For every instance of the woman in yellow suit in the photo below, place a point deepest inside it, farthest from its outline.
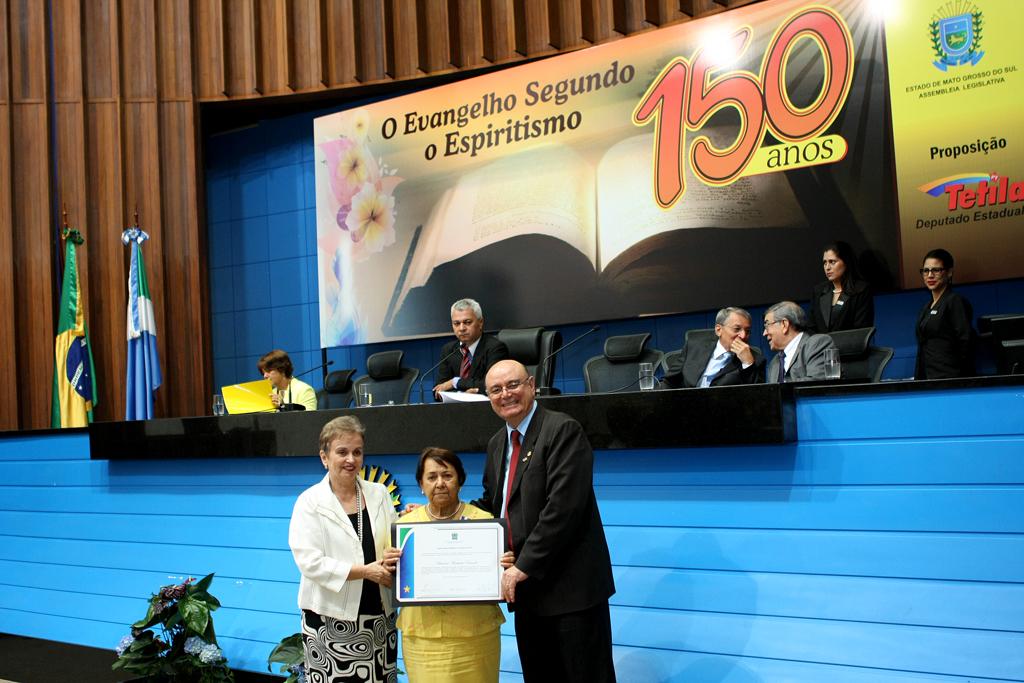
(449, 644)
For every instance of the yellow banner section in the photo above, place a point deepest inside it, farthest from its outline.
(248, 397)
(956, 78)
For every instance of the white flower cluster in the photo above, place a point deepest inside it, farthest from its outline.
(208, 653)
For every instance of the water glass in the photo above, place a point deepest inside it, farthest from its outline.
(646, 376)
(365, 395)
(832, 368)
(218, 405)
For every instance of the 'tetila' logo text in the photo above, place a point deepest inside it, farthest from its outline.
(976, 190)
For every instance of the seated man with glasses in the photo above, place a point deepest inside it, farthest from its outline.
(539, 476)
(801, 355)
(729, 360)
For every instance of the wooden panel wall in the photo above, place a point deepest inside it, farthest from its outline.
(118, 130)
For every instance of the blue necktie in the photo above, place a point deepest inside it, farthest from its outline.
(782, 367)
(714, 367)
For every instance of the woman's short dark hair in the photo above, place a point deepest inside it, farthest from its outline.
(848, 256)
(276, 360)
(442, 456)
(940, 255)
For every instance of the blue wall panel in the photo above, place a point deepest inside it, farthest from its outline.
(885, 545)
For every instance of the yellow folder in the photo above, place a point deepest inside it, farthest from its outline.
(248, 397)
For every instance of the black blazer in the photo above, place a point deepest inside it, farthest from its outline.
(556, 526)
(945, 338)
(488, 352)
(857, 309)
(688, 368)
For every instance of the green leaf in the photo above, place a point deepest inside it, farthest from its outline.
(202, 585)
(195, 614)
(289, 651)
(211, 602)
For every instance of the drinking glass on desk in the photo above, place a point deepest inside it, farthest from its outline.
(832, 368)
(218, 405)
(646, 376)
(365, 395)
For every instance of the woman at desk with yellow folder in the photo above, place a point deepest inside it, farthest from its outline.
(277, 369)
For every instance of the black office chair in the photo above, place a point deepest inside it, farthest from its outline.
(618, 368)
(387, 379)
(878, 358)
(337, 391)
(671, 358)
(855, 354)
(1012, 355)
(1005, 332)
(531, 345)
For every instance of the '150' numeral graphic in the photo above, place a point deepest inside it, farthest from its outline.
(685, 96)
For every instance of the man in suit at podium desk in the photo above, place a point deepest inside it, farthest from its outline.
(477, 352)
(720, 362)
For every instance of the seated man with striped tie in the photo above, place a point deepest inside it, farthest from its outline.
(722, 362)
(465, 361)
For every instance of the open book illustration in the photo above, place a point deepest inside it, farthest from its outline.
(570, 226)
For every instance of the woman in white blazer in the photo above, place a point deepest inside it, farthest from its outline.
(339, 536)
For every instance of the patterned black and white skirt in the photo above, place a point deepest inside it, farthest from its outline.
(338, 651)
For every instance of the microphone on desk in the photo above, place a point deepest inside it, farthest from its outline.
(315, 367)
(563, 347)
(458, 347)
(292, 407)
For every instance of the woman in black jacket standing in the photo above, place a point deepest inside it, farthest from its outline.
(842, 302)
(944, 333)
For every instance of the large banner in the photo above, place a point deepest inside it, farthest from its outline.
(688, 168)
(957, 75)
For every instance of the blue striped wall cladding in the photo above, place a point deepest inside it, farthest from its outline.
(887, 544)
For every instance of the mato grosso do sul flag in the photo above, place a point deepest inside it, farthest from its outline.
(74, 385)
(143, 363)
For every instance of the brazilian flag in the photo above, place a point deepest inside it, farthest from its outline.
(74, 385)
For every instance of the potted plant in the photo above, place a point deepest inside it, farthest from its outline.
(175, 641)
(290, 656)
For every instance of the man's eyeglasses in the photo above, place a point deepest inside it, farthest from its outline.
(511, 387)
(932, 271)
(769, 323)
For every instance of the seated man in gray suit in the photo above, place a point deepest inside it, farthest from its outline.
(801, 354)
(711, 363)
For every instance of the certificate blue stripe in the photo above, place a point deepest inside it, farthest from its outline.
(408, 574)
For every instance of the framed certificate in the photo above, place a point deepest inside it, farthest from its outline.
(455, 562)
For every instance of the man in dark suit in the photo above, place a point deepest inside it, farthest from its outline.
(801, 354)
(466, 371)
(711, 363)
(562, 578)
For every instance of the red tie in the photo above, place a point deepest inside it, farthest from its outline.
(464, 368)
(511, 478)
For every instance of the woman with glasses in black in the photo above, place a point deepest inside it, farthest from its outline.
(944, 333)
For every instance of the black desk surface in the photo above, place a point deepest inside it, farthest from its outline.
(685, 417)
(757, 414)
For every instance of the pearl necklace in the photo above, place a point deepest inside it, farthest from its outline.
(458, 508)
(358, 511)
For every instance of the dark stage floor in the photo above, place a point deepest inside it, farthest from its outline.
(30, 660)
